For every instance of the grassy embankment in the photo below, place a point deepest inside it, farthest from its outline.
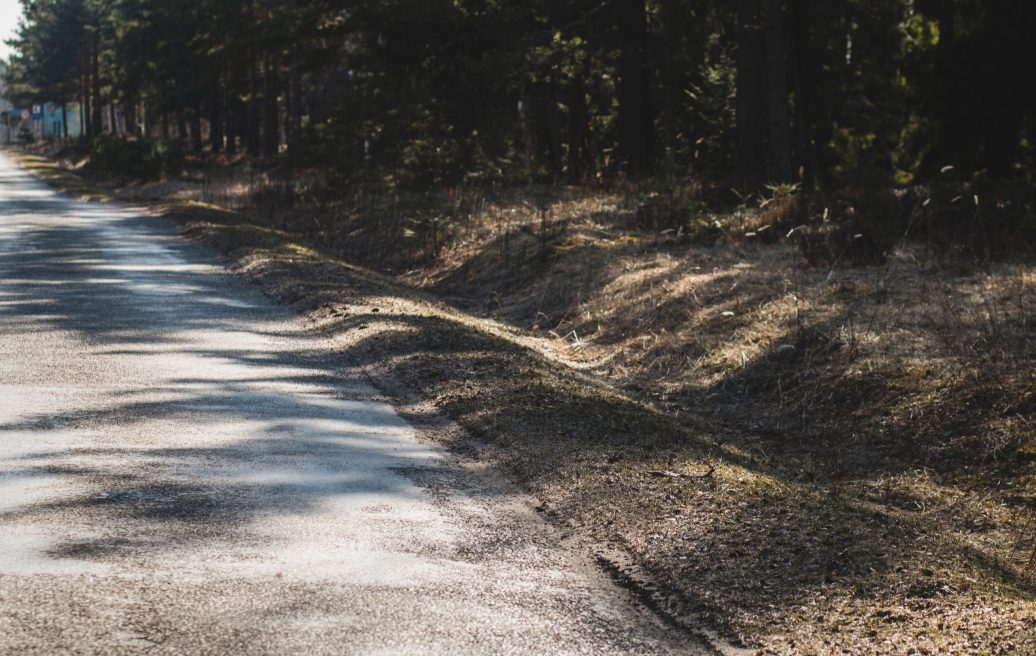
(809, 460)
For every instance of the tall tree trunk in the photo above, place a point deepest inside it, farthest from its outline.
(252, 131)
(146, 116)
(216, 118)
(196, 137)
(777, 91)
(578, 129)
(635, 120)
(130, 111)
(552, 127)
(231, 122)
(181, 125)
(805, 63)
(295, 108)
(231, 113)
(528, 113)
(85, 122)
(271, 111)
(669, 80)
(750, 157)
(95, 86)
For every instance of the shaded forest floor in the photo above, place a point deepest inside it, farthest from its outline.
(806, 459)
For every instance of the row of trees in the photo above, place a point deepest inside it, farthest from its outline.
(746, 92)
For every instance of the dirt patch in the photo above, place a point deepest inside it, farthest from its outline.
(803, 460)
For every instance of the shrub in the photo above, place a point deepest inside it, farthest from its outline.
(679, 210)
(137, 158)
(982, 218)
(171, 157)
(853, 228)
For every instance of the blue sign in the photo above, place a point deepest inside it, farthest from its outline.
(37, 112)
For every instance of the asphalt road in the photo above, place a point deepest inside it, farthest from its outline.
(185, 470)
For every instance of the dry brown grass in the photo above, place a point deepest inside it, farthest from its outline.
(908, 387)
(778, 558)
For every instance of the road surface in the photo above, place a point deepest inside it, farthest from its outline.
(184, 470)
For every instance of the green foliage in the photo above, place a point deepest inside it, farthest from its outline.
(403, 94)
(171, 156)
(782, 191)
(707, 108)
(124, 157)
(432, 228)
(680, 211)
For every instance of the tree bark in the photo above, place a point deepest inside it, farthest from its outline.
(196, 140)
(216, 117)
(669, 81)
(252, 130)
(271, 112)
(232, 111)
(130, 111)
(552, 128)
(181, 125)
(578, 129)
(252, 118)
(146, 116)
(750, 157)
(804, 65)
(635, 120)
(95, 86)
(777, 92)
(295, 108)
(85, 121)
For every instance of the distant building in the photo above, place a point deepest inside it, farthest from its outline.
(44, 120)
(52, 122)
